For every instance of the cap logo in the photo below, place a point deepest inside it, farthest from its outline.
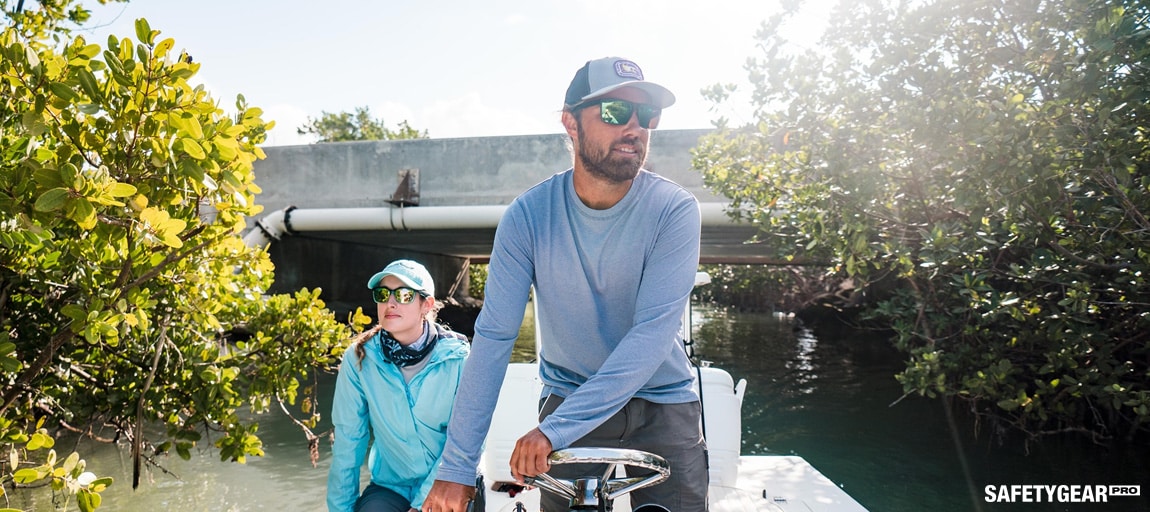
(628, 69)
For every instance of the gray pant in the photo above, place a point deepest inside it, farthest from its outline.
(672, 431)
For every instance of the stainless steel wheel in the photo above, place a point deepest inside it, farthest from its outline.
(593, 490)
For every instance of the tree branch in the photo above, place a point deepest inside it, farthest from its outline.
(46, 355)
(138, 439)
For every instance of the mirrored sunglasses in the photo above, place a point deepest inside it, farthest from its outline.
(403, 294)
(618, 112)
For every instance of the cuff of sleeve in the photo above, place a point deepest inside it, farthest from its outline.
(459, 477)
(558, 442)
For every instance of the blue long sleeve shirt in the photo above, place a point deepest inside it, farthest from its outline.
(610, 287)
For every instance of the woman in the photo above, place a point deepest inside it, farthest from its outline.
(394, 392)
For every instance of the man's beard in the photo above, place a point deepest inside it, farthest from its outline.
(600, 163)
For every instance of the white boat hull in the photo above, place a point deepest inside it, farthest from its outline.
(739, 483)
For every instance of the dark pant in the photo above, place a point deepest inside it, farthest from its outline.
(672, 431)
(381, 499)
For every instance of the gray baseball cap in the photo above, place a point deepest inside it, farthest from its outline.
(601, 76)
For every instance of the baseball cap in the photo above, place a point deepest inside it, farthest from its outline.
(411, 273)
(601, 76)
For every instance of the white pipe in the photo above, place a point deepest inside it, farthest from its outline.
(267, 229)
(290, 220)
(395, 219)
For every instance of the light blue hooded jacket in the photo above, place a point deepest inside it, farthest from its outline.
(404, 423)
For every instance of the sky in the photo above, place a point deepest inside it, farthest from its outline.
(454, 68)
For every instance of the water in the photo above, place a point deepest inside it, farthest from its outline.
(821, 393)
(282, 480)
(825, 394)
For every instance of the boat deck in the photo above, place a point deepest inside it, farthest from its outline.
(775, 483)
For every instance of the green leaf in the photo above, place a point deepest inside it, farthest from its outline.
(89, 84)
(62, 91)
(163, 226)
(74, 312)
(85, 213)
(51, 200)
(144, 31)
(41, 440)
(70, 175)
(1008, 405)
(100, 484)
(187, 123)
(29, 475)
(48, 178)
(88, 500)
(71, 462)
(121, 190)
(106, 481)
(163, 47)
(30, 55)
(192, 148)
(90, 51)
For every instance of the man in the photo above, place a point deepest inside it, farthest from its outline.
(612, 251)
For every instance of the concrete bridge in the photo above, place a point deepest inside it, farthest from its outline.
(336, 213)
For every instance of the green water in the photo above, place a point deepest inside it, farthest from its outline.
(823, 393)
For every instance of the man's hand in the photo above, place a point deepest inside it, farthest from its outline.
(530, 456)
(447, 496)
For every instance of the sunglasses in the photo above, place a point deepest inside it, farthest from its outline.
(618, 112)
(403, 294)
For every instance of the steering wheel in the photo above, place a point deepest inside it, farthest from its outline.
(590, 490)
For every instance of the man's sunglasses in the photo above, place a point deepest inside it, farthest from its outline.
(403, 294)
(618, 112)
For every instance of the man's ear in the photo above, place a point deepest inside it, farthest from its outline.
(570, 124)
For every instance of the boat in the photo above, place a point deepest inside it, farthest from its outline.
(738, 483)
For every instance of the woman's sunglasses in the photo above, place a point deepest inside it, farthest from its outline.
(618, 112)
(403, 294)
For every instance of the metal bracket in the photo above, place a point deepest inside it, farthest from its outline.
(407, 193)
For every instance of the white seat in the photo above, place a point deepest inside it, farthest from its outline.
(516, 413)
(722, 413)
